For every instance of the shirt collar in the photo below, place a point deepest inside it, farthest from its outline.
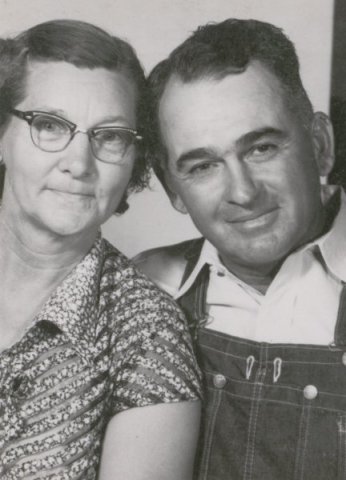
(332, 246)
(73, 307)
(208, 256)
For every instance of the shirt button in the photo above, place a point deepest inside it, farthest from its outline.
(310, 392)
(219, 380)
(344, 358)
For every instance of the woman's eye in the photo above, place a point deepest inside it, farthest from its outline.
(109, 136)
(49, 125)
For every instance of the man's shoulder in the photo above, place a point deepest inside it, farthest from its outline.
(166, 265)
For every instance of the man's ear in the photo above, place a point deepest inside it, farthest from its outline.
(167, 184)
(323, 143)
(177, 203)
(163, 175)
(175, 199)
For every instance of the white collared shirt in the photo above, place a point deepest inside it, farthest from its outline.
(301, 303)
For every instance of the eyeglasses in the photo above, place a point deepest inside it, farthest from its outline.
(52, 133)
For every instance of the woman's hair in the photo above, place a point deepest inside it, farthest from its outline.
(81, 44)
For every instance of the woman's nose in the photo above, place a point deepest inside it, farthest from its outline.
(77, 158)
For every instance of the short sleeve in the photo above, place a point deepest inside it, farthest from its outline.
(153, 359)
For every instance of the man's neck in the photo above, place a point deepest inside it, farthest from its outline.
(258, 278)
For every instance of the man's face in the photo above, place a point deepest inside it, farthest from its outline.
(242, 165)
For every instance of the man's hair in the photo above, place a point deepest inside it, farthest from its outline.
(214, 51)
(79, 43)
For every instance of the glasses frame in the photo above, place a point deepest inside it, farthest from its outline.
(30, 115)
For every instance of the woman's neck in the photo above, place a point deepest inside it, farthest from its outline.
(32, 265)
(41, 250)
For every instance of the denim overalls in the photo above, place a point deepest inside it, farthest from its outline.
(272, 411)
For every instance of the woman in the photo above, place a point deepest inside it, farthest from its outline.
(84, 338)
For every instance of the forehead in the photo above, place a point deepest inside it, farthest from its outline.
(63, 86)
(204, 111)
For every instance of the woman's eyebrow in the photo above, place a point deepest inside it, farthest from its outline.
(114, 119)
(63, 114)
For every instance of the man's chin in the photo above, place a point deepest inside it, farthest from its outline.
(266, 255)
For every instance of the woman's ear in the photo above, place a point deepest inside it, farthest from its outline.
(323, 143)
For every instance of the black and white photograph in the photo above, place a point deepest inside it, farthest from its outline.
(172, 240)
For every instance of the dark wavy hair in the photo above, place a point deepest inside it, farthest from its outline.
(83, 45)
(215, 51)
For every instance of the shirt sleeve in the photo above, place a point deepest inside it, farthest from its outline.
(153, 360)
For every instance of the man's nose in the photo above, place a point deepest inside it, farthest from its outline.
(241, 186)
(78, 158)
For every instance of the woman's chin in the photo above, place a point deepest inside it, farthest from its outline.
(69, 224)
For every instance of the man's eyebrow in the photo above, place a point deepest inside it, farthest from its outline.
(255, 135)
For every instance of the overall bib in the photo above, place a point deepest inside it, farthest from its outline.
(271, 411)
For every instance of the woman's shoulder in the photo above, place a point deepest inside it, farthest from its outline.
(166, 265)
(152, 359)
(128, 289)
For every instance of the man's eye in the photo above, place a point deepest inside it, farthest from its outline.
(263, 149)
(201, 168)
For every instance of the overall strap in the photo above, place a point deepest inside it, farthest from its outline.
(340, 327)
(191, 254)
(193, 302)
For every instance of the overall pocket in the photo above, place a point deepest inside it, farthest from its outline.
(224, 427)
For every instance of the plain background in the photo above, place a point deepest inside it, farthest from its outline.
(154, 28)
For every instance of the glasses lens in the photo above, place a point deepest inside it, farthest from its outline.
(50, 133)
(111, 144)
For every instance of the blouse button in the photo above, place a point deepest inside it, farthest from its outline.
(310, 392)
(219, 380)
(344, 358)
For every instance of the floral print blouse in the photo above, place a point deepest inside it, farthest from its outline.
(105, 341)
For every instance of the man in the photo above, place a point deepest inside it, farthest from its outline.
(236, 144)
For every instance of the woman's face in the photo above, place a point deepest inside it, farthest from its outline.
(69, 192)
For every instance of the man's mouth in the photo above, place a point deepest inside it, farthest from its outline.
(254, 219)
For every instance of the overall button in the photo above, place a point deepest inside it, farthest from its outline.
(310, 392)
(344, 358)
(219, 380)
